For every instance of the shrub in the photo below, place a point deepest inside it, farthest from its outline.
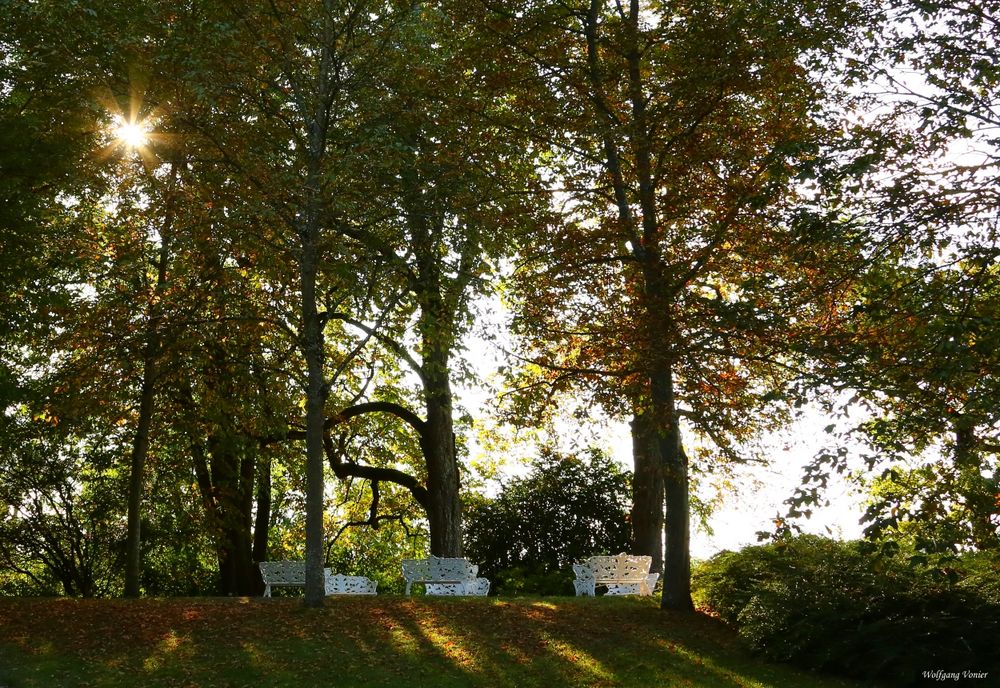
(836, 606)
(565, 509)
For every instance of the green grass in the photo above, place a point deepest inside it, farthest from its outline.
(381, 641)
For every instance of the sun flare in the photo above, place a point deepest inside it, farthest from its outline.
(134, 134)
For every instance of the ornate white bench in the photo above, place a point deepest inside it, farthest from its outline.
(293, 574)
(339, 584)
(623, 574)
(283, 574)
(445, 576)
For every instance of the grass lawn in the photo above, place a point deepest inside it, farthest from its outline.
(380, 641)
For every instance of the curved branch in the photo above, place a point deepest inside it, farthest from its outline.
(351, 469)
(395, 409)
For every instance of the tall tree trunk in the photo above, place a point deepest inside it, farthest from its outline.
(677, 560)
(262, 519)
(647, 492)
(312, 343)
(233, 486)
(444, 512)
(436, 321)
(659, 294)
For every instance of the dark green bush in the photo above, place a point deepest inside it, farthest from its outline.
(836, 606)
(567, 508)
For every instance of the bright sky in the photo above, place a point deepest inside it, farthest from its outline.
(760, 490)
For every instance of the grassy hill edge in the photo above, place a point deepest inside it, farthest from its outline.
(381, 641)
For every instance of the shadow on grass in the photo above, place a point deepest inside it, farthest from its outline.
(382, 641)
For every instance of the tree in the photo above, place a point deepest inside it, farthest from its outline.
(683, 131)
(425, 219)
(919, 353)
(35, 63)
(455, 216)
(135, 288)
(315, 72)
(59, 519)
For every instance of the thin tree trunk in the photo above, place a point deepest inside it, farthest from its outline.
(262, 520)
(140, 443)
(312, 349)
(137, 465)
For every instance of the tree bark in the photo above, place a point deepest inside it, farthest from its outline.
(312, 348)
(262, 520)
(226, 486)
(647, 492)
(234, 490)
(444, 507)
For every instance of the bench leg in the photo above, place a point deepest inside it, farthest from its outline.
(585, 587)
(267, 590)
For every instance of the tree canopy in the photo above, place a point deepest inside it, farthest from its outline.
(239, 331)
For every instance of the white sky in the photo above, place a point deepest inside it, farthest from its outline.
(760, 491)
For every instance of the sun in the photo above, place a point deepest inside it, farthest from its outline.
(131, 131)
(131, 134)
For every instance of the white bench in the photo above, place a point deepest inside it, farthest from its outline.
(278, 574)
(283, 574)
(339, 584)
(445, 576)
(623, 574)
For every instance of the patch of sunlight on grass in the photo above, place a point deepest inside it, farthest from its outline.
(167, 648)
(401, 638)
(455, 650)
(257, 657)
(544, 605)
(583, 661)
(449, 644)
(515, 653)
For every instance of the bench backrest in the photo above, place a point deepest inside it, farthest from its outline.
(287, 572)
(620, 567)
(439, 569)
